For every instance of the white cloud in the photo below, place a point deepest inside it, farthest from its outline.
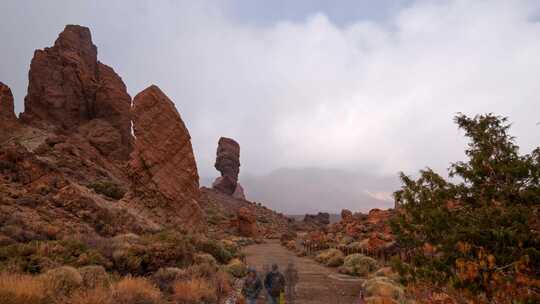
(377, 96)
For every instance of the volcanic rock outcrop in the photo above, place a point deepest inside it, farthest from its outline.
(66, 166)
(8, 120)
(228, 164)
(247, 223)
(163, 166)
(69, 88)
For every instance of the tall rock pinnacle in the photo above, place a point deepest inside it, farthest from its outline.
(70, 89)
(228, 164)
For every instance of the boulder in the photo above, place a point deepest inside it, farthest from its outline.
(68, 87)
(162, 164)
(228, 164)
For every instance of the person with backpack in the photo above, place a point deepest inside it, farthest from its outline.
(252, 287)
(274, 284)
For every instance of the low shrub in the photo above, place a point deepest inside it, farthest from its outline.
(194, 291)
(108, 188)
(383, 287)
(236, 268)
(358, 265)
(205, 258)
(165, 277)
(330, 257)
(62, 281)
(132, 290)
(94, 277)
(223, 253)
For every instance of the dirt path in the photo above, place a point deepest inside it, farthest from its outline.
(317, 285)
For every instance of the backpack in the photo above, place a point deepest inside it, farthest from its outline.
(277, 283)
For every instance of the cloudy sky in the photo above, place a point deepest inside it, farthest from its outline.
(310, 88)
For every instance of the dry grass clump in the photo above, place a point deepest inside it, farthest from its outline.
(98, 295)
(131, 290)
(21, 289)
(62, 281)
(193, 291)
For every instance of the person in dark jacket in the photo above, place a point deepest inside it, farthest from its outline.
(252, 287)
(274, 284)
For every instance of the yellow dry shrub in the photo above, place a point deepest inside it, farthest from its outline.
(195, 290)
(132, 290)
(21, 289)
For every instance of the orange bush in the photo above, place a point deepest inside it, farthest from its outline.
(21, 289)
(136, 290)
(193, 291)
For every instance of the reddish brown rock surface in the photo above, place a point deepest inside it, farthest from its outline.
(68, 88)
(163, 166)
(247, 223)
(8, 120)
(228, 164)
(222, 212)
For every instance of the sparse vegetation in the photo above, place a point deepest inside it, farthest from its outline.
(108, 188)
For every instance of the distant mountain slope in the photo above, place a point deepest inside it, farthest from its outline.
(310, 190)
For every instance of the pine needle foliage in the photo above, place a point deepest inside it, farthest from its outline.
(478, 232)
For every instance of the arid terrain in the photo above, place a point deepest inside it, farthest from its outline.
(100, 203)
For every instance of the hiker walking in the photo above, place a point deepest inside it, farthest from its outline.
(291, 279)
(252, 287)
(274, 284)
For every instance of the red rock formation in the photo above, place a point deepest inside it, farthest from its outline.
(228, 163)
(8, 120)
(163, 165)
(69, 88)
(247, 223)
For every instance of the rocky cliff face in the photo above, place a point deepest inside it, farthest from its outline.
(68, 88)
(228, 164)
(163, 165)
(8, 120)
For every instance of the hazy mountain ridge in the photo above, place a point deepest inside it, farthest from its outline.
(356, 191)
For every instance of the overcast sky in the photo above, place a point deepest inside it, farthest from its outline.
(342, 85)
